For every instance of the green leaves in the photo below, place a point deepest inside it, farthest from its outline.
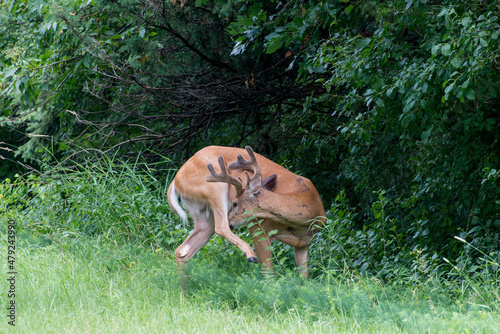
(274, 42)
(349, 9)
(446, 49)
(363, 43)
(10, 72)
(396, 97)
(466, 21)
(265, 26)
(470, 94)
(415, 95)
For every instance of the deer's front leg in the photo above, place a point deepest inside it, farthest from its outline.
(222, 229)
(262, 244)
(301, 259)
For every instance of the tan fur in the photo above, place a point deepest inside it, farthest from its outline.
(293, 208)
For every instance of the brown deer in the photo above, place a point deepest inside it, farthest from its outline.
(286, 207)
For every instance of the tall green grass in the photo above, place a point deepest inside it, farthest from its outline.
(95, 254)
(85, 285)
(113, 200)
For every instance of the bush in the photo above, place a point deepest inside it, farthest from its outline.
(113, 200)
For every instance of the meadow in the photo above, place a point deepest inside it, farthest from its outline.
(94, 253)
(391, 109)
(90, 286)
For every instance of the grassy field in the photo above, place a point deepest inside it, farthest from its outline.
(83, 285)
(94, 254)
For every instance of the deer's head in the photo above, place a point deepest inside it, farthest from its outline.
(251, 198)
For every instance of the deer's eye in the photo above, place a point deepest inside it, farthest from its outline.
(235, 205)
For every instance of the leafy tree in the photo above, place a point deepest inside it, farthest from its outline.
(392, 104)
(133, 75)
(414, 111)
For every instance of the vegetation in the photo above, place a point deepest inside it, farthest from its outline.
(82, 286)
(111, 267)
(391, 108)
(80, 292)
(95, 250)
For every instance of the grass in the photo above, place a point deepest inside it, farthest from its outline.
(85, 285)
(94, 254)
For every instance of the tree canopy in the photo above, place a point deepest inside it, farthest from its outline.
(392, 108)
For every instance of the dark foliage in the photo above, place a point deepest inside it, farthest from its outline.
(392, 108)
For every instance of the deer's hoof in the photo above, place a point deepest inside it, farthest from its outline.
(252, 259)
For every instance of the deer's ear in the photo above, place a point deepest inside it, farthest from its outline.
(270, 182)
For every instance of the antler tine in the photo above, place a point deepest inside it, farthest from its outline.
(223, 176)
(251, 164)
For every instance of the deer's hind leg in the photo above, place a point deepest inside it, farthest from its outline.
(199, 236)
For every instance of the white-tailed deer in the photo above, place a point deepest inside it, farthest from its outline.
(287, 206)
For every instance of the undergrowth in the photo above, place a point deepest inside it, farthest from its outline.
(115, 217)
(119, 202)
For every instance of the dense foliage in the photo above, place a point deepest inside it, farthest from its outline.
(392, 108)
